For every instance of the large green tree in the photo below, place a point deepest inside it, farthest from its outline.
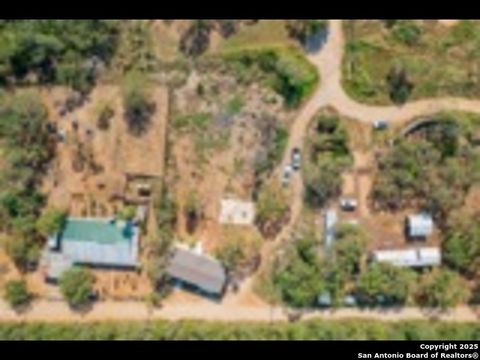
(16, 293)
(51, 221)
(462, 244)
(76, 285)
(442, 288)
(395, 284)
(299, 279)
(59, 51)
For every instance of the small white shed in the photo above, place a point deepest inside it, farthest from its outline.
(419, 225)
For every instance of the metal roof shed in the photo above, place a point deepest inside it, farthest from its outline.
(200, 271)
(97, 242)
(420, 257)
(420, 225)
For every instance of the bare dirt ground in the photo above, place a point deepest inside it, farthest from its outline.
(449, 22)
(214, 169)
(115, 151)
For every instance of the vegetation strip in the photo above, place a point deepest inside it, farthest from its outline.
(199, 330)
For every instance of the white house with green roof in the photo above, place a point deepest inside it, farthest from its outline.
(101, 242)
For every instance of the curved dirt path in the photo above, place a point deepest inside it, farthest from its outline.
(329, 64)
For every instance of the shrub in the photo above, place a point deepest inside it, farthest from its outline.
(196, 39)
(286, 71)
(441, 288)
(104, 116)
(16, 293)
(51, 221)
(137, 102)
(272, 209)
(76, 285)
(407, 32)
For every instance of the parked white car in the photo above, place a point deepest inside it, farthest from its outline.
(380, 124)
(287, 174)
(348, 204)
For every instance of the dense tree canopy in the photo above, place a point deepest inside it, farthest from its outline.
(328, 155)
(432, 171)
(441, 288)
(27, 147)
(462, 244)
(299, 279)
(58, 51)
(394, 284)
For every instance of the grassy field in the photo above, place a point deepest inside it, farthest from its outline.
(439, 60)
(265, 33)
(197, 330)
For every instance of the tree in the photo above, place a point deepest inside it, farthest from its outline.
(127, 213)
(76, 285)
(105, 114)
(349, 248)
(24, 251)
(137, 103)
(441, 288)
(239, 250)
(329, 156)
(51, 221)
(406, 31)
(59, 51)
(196, 39)
(301, 30)
(418, 172)
(462, 243)
(393, 283)
(16, 293)
(399, 86)
(323, 182)
(298, 280)
(227, 28)
(272, 209)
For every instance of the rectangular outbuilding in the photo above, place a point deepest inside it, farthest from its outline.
(419, 257)
(197, 270)
(419, 225)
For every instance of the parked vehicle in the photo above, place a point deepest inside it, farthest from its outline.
(380, 125)
(287, 174)
(296, 159)
(348, 204)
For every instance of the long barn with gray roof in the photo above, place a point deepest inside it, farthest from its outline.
(200, 271)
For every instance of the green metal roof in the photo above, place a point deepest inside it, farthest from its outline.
(97, 230)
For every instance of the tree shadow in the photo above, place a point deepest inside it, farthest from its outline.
(139, 120)
(83, 309)
(316, 41)
(23, 309)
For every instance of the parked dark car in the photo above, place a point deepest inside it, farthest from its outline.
(380, 125)
(296, 159)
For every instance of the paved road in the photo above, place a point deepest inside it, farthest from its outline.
(330, 93)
